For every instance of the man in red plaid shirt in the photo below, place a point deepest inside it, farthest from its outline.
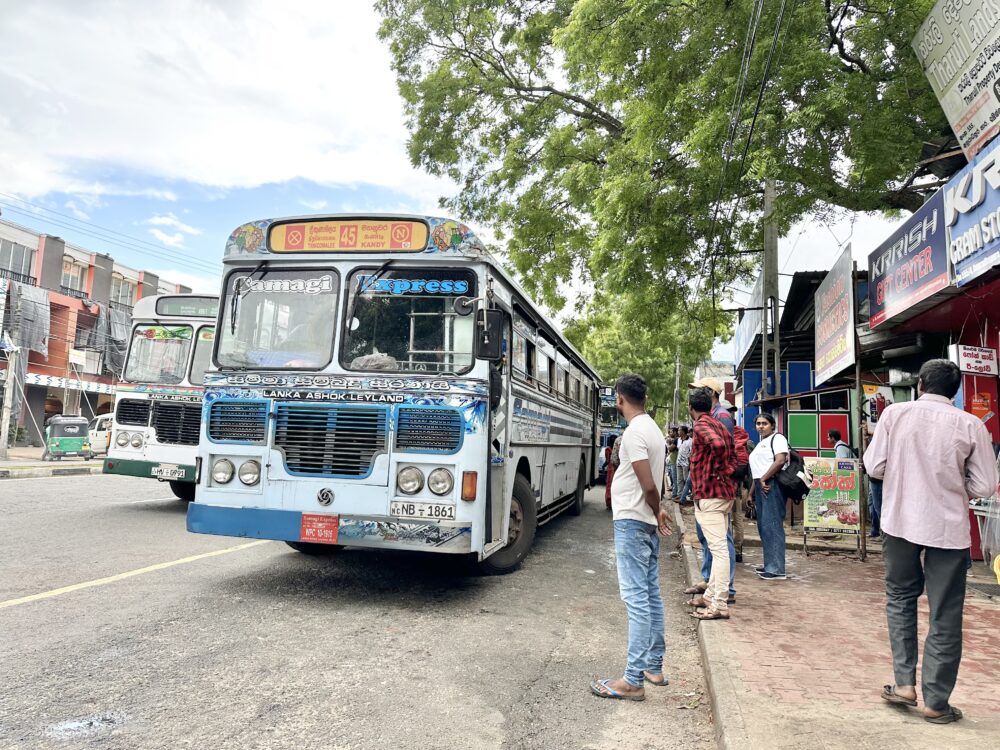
(713, 461)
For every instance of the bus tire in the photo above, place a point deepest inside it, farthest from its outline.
(311, 548)
(521, 533)
(183, 490)
(581, 487)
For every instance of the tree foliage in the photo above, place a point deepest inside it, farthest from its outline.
(597, 135)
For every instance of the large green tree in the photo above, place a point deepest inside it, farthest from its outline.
(606, 138)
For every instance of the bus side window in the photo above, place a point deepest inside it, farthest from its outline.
(545, 371)
(530, 361)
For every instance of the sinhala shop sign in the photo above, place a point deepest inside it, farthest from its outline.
(911, 265)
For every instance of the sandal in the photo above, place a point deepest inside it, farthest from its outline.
(601, 689)
(952, 714)
(698, 588)
(698, 601)
(889, 694)
(663, 682)
(709, 614)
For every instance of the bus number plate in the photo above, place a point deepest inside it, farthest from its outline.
(165, 471)
(435, 511)
(319, 528)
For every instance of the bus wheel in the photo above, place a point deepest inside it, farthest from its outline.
(521, 533)
(581, 486)
(311, 548)
(183, 490)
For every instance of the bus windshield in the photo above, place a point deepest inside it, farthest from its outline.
(159, 354)
(202, 359)
(278, 318)
(403, 320)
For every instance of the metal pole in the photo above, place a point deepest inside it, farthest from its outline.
(8, 398)
(674, 418)
(862, 489)
(770, 357)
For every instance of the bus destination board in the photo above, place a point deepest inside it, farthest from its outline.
(349, 236)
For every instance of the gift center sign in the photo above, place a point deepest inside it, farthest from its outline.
(911, 265)
(834, 303)
(958, 46)
(974, 359)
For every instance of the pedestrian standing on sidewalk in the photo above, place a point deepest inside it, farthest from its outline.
(613, 461)
(874, 492)
(672, 460)
(741, 439)
(683, 459)
(933, 457)
(766, 460)
(638, 518)
(713, 461)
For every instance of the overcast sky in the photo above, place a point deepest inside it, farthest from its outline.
(150, 130)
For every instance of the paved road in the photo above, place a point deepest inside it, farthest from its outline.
(261, 647)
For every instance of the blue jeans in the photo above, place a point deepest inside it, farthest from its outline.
(687, 489)
(672, 473)
(771, 526)
(637, 549)
(706, 557)
(875, 504)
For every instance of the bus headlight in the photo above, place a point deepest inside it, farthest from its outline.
(249, 472)
(122, 440)
(222, 471)
(137, 440)
(440, 481)
(410, 480)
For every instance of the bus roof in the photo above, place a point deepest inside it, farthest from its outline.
(176, 305)
(407, 236)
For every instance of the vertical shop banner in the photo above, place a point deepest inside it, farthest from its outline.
(834, 304)
(972, 216)
(833, 502)
(911, 265)
(958, 46)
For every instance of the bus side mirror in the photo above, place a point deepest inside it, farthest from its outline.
(489, 335)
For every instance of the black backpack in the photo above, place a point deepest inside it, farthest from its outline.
(794, 478)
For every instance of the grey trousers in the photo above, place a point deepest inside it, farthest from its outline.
(942, 572)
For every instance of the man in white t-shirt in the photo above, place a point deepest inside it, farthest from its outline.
(638, 517)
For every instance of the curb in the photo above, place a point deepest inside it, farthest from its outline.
(727, 715)
(34, 472)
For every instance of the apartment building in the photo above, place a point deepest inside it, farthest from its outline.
(89, 299)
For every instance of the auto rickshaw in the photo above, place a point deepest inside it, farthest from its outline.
(67, 436)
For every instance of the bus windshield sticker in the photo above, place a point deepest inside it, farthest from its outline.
(163, 332)
(350, 236)
(284, 286)
(369, 283)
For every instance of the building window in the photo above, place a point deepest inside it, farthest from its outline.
(16, 261)
(74, 275)
(122, 291)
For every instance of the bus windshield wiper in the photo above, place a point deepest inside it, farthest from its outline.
(369, 282)
(234, 303)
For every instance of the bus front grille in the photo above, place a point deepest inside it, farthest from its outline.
(133, 411)
(177, 422)
(330, 440)
(430, 430)
(238, 421)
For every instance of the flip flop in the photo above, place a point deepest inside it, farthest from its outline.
(663, 683)
(709, 614)
(698, 601)
(601, 689)
(890, 695)
(952, 714)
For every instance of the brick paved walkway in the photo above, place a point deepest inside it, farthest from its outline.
(807, 658)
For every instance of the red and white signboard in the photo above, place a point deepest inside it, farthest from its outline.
(320, 529)
(974, 359)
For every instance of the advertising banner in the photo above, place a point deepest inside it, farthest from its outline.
(835, 319)
(972, 215)
(833, 502)
(911, 265)
(749, 327)
(974, 360)
(958, 46)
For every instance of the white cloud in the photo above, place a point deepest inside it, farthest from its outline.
(170, 240)
(198, 283)
(314, 205)
(77, 211)
(169, 220)
(235, 94)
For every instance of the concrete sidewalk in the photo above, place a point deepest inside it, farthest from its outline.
(801, 662)
(26, 463)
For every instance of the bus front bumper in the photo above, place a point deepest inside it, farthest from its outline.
(149, 469)
(327, 528)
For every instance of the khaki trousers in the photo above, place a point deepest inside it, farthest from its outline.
(712, 514)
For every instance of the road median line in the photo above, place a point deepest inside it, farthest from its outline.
(129, 574)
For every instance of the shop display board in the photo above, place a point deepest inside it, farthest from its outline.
(833, 505)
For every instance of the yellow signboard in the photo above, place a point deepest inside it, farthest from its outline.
(349, 236)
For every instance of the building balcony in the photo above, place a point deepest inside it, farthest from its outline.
(122, 306)
(71, 292)
(21, 278)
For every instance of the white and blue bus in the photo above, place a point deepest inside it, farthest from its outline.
(380, 381)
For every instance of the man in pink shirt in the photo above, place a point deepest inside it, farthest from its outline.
(933, 457)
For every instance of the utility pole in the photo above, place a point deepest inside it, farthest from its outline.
(677, 384)
(10, 383)
(770, 360)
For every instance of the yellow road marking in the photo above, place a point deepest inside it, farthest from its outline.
(129, 574)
